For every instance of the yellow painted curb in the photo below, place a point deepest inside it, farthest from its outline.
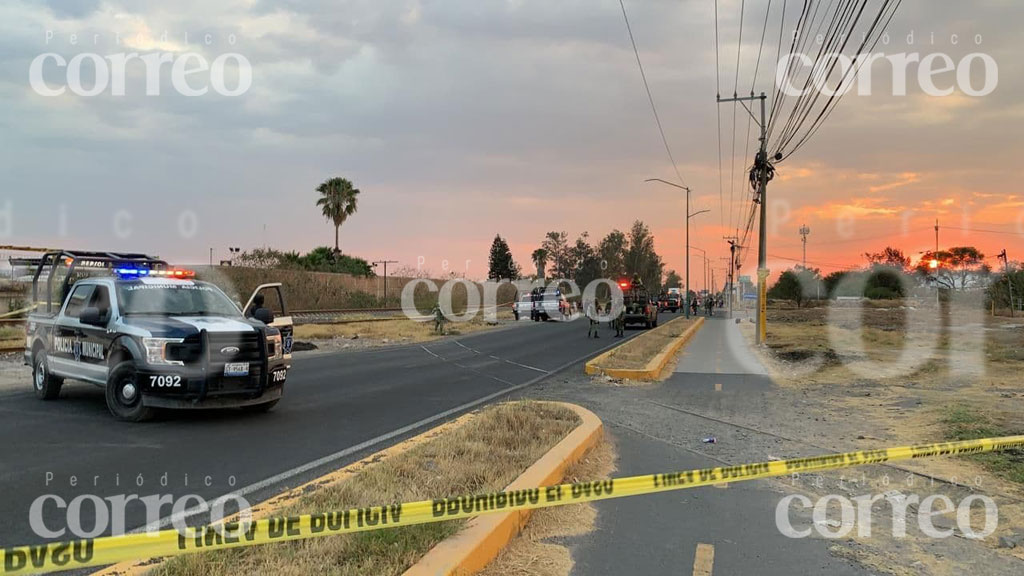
(469, 551)
(273, 505)
(654, 367)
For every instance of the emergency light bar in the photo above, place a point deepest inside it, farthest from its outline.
(138, 272)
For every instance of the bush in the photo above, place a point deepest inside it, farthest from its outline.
(882, 293)
(884, 283)
(321, 259)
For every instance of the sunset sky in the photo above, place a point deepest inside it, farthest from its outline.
(461, 119)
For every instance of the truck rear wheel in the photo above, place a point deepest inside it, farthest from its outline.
(124, 395)
(46, 385)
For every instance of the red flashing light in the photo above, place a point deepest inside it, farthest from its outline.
(624, 284)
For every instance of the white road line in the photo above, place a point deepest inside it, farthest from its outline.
(542, 371)
(427, 350)
(466, 347)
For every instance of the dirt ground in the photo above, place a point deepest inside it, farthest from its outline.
(897, 376)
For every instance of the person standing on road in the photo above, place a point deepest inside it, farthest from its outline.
(709, 305)
(592, 315)
(620, 321)
(438, 319)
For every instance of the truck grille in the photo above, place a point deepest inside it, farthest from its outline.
(190, 351)
(221, 344)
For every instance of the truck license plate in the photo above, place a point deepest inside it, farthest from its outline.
(236, 369)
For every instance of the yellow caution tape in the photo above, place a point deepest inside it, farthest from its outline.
(101, 551)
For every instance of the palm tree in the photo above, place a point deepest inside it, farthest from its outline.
(540, 259)
(337, 202)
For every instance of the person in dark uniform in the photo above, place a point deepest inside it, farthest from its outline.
(258, 311)
(620, 321)
(592, 315)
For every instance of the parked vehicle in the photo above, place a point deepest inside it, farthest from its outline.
(152, 336)
(640, 308)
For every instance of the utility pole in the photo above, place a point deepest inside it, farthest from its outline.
(211, 257)
(732, 272)
(936, 235)
(761, 166)
(804, 231)
(385, 263)
(1006, 272)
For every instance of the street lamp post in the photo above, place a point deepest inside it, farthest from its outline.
(688, 216)
(705, 257)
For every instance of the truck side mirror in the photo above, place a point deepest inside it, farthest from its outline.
(93, 317)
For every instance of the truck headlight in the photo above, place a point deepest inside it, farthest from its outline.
(274, 348)
(156, 351)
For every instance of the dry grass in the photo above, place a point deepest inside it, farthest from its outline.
(532, 553)
(966, 370)
(393, 330)
(638, 351)
(484, 455)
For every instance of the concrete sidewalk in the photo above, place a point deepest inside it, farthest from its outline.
(719, 348)
(703, 531)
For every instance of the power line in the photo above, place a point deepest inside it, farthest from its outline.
(982, 230)
(650, 97)
(826, 264)
(718, 110)
(735, 89)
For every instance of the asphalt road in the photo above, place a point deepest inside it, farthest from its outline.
(337, 408)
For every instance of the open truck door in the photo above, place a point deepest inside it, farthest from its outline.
(273, 301)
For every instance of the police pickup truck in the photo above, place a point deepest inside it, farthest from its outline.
(152, 336)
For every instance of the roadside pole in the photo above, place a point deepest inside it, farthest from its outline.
(1009, 282)
(688, 216)
(385, 262)
(761, 165)
(732, 274)
(687, 252)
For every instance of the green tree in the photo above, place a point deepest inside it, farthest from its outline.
(586, 260)
(557, 246)
(612, 251)
(641, 259)
(891, 257)
(672, 280)
(787, 287)
(884, 283)
(540, 260)
(500, 263)
(338, 201)
(951, 268)
(1007, 286)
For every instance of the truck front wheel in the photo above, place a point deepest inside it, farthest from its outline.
(124, 395)
(46, 385)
